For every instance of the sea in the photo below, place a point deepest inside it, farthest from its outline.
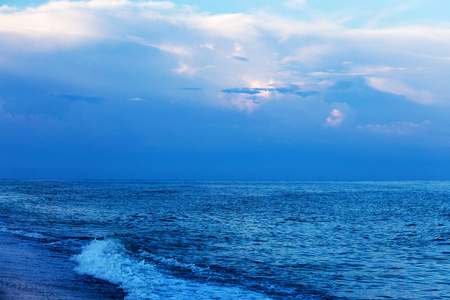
(136, 240)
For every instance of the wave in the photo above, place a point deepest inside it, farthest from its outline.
(24, 233)
(194, 269)
(109, 260)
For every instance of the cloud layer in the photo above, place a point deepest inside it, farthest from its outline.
(164, 81)
(241, 51)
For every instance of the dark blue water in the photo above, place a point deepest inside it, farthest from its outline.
(225, 240)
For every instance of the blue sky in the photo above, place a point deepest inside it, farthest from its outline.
(293, 90)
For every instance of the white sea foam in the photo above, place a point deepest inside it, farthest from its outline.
(24, 233)
(173, 262)
(109, 260)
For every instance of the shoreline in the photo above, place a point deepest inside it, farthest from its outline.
(28, 271)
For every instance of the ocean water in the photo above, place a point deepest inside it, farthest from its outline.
(224, 240)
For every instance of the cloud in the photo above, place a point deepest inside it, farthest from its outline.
(295, 4)
(240, 101)
(256, 95)
(342, 85)
(7, 8)
(400, 89)
(287, 89)
(58, 24)
(185, 69)
(207, 46)
(359, 70)
(392, 11)
(190, 88)
(62, 24)
(250, 91)
(335, 119)
(178, 50)
(396, 128)
(299, 57)
(77, 97)
(205, 73)
(239, 58)
(32, 121)
(308, 55)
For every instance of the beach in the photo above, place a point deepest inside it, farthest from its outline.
(31, 272)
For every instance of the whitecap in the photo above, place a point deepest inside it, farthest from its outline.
(109, 260)
(24, 233)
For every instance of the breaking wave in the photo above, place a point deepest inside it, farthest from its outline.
(109, 260)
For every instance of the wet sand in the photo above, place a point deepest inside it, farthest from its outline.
(27, 272)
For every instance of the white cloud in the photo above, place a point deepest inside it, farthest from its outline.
(207, 46)
(136, 99)
(396, 128)
(7, 8)
(400, 89)
(64, 4)
(179, 50)
(244, 103)
(335, 119)
(240, 27)
(185, 69)
(173, 49)
(359, 70)
(308, 55)
(239, 101)
(295, 4)
(61, 24)
(265, 47)
(392, 11)
(162, 5)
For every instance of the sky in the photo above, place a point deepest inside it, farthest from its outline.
(225, 90)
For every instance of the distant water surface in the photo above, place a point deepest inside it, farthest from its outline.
(226, 240)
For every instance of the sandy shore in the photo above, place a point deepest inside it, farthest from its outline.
(31, 272)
